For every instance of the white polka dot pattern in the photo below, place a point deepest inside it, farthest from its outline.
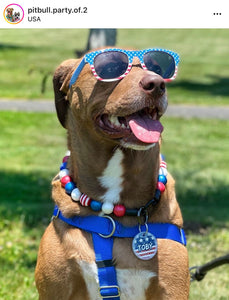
(131, 54)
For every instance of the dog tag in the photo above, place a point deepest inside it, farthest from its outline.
(144, 245)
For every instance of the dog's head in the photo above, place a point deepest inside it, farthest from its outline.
(124, 112)
(10, 11)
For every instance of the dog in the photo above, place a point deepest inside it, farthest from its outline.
(115, 201)
(16, 17)
(9, 14)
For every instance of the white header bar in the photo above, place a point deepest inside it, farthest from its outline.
(114, 14)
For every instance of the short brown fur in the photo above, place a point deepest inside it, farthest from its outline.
(58, 272)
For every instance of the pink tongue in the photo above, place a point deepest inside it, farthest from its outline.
(145, 129)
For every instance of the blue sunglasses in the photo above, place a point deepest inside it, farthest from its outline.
(114, 64)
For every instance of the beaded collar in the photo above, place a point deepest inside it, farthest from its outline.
(119, 210)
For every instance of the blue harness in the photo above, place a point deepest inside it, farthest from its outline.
(103, 229)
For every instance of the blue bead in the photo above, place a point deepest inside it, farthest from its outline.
(96, 205)
(69, 187)
(63, 166)
(162, 157)
(162, 178)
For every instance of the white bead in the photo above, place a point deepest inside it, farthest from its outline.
(107, 208)
(68, 153)
(75, 194)
(163, 171)
(63, 173)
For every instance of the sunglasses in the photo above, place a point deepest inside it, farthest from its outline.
(114, 64)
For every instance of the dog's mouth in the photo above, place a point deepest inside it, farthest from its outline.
(140, 127)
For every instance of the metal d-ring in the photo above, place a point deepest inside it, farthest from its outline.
(113, 230)
(140, 229)
(142, 216)
(143, 219)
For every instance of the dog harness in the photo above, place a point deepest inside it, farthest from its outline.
(104, 229)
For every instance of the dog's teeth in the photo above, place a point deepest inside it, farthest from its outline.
(154, 117)
(123, 126)
(114, 121)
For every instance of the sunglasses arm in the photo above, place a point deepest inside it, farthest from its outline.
(77, 72)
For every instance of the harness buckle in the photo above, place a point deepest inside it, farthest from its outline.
(104, 296)
(113, 229)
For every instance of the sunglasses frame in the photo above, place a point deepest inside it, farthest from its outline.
(131, 54)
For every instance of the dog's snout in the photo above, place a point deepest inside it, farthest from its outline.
(152, 84)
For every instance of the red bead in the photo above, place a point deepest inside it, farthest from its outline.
(64, 180)
(161, 186)
(65, 159)
(119, 210)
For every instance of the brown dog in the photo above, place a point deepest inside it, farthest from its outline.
(112, 163)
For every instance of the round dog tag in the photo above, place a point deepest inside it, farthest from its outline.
(144, 245)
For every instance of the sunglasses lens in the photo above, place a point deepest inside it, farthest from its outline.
(111, 64)
(161, 63)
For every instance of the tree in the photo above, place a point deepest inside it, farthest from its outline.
(99, 38)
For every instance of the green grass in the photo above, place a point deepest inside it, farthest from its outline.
(197, 152)
(197, 155)
(27, 55)
(29, 159)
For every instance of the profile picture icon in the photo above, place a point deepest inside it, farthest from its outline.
(13, 13)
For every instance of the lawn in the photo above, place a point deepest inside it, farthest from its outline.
(197, 155)
(32, 146)
(28, 56)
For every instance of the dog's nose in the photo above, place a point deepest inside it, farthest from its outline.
(152, 84)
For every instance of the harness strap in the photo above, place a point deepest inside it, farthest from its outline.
(106, 271)
(107, 227)
(103, 229)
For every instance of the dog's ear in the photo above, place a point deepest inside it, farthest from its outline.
(61, 81)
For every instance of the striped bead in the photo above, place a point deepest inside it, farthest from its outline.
(163, 171)
(119, 210)
(85, 200)
(163, 164)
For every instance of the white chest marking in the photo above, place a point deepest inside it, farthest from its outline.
(111, 178)
(132, 283)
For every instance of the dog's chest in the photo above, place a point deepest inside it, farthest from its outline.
(132, 283)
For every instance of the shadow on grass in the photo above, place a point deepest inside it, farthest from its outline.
(24, 260)
(26, 197)
(203, 204)
(13, 47)
(219, 86)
